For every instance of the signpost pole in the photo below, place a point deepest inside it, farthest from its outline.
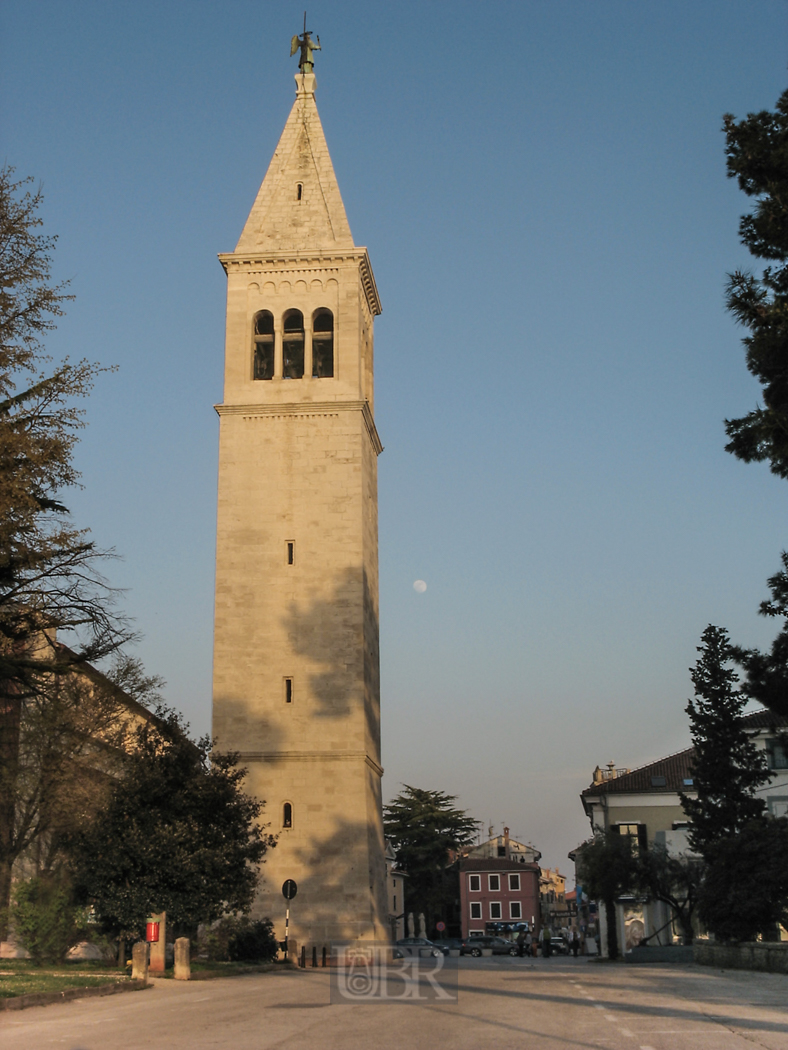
(289, 890)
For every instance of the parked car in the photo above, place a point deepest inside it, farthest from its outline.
(500, 946)
(446, 944)
(558, 946)
(415, 946)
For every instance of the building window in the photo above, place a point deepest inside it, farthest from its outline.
(502, 851)
(514, 881)
(288, 690)
(476, 910)
(494, 882)
(293, 345)
(475, 884)
(299, 191)
(635, 831)
(778, 807)
(287, 815)
(495, 909)
(395, 902)
(776, 755)
(263, 345)
(290, 552)
(515, 910)
(323, 345)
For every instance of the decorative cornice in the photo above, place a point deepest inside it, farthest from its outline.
(327, 756)
(308, 408)
(236, 261)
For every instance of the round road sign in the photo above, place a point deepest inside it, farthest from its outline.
(440, 926)
(289, 889)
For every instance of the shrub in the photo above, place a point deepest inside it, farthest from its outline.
(253, 940)
(45, 919)
(240, 940)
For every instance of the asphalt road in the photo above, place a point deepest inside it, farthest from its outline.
(502, 1003)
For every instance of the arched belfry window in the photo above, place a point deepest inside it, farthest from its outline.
(287, 815)
(263, 345)
(293, 345)
(323, 344)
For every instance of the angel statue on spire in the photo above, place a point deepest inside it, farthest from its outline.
(304, 42)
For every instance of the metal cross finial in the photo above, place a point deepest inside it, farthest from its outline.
(304, 42)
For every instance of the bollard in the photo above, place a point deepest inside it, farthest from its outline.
(314, 956)
(183, 966)
(139, 961)
(303, 957)
(324, 956)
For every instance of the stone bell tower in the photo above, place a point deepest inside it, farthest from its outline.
(296, 672)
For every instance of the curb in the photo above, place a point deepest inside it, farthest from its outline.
(20, 1002)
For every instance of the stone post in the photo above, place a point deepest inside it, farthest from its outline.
(139, 961)
(183, 968)
(158, 949)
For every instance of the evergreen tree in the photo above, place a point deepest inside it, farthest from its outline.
(727, 767)
(767, 672)
(425, 829)
(757, 156)
(51, 586)
(176, 833)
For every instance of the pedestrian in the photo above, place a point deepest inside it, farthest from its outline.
(546, 946)
(520, 943)
(574, 941)
(530, 947)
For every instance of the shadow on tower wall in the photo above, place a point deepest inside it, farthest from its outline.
(342, 646)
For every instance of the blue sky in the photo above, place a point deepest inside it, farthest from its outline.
(542, 190)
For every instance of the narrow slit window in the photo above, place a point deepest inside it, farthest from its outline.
(290, 550)
(287, 815)
(323, 345)
(288, 690)
(299, 190)
(293, 345)
(264, 345)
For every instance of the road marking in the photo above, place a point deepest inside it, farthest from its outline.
(627, 1033)
(598, 1006)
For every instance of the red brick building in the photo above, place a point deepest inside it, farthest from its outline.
(496, 895)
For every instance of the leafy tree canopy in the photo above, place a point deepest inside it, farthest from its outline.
(176, 834)
(727, 767)
(757, 156)
(606, 869)
(745, 889)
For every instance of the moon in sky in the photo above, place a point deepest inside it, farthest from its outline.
(420, 586)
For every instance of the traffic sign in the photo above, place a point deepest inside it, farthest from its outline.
(289, 889)
(440, 926)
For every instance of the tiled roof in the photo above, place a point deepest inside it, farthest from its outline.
(674, 769)
(764, 719)
(495, 864)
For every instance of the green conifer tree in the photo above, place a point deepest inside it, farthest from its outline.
(727, 767)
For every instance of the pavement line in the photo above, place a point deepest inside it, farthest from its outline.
(627, 1033)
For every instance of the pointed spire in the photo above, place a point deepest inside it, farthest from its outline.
(299, 206)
